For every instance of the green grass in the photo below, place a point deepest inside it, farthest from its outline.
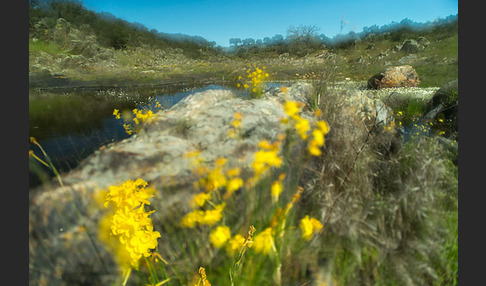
(48, 47)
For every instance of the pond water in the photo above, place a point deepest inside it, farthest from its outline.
(71, 124)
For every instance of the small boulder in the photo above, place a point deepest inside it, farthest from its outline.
(443, 109)
(423, 42)
(410, 46)
(398, 76)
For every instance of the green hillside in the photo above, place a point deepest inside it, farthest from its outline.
(68, 43)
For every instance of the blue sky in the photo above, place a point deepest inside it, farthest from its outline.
(221, 20)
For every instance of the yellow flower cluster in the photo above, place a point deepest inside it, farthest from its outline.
(257, 77)
(217, 178)
(203, 217)
(302, 125)
(266, 158)
(138, 117)
(130, 223)
(221, 237)
(234, 244)
(264, 242)
(142, 115)
(234, 130)
(309, 226)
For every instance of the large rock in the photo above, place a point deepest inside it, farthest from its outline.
(410, 46)
(398, 76)
(60, 252)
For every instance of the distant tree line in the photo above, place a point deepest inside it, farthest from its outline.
(110, 30)
(303, 40)
(299, 41)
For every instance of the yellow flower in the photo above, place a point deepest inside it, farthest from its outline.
(200, 199)
(234, 184)
(235, 172)
(302, 127)
(277, 188)
(130, 193)
(191, 219)
(120, 253)
(234, 244)
(141, 243)
(211, 217)
(291, 108)
(309, 226)
(219, 236)
(125, 222)
(314, 148)
(264, 160)
(215, 180)
(201, 217)
(128, 128)
(116, 112)
(130, 223)
(318, 137)
(263, 242)
(322, 125)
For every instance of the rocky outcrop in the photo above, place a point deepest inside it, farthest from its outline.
(60, 251)
(413, 46)
(398, 76)
(410, 46)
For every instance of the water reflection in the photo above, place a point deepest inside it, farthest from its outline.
(71, 125)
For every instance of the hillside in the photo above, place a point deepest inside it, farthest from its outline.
(72, 46)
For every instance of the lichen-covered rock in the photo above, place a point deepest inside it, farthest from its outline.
(398, 76)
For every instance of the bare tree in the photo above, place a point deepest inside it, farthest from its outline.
(302, 33)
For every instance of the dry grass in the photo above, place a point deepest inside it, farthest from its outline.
(387, 205)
